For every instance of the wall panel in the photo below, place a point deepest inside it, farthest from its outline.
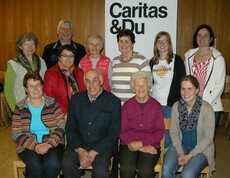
(42, 16)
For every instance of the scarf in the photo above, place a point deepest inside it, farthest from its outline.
(188, 122)
(21, 59)
(70, 78)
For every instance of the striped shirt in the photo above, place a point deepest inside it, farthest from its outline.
(122, 72)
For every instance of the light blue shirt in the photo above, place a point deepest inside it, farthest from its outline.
(36, 125)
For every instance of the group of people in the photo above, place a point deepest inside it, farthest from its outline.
(95, 101)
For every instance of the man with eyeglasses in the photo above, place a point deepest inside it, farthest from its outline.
(65, 33)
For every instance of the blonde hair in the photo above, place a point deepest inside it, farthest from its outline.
(141, 75)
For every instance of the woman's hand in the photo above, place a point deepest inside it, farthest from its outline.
(148, 149)
(183, 159)
(42, 148)
(134, 146)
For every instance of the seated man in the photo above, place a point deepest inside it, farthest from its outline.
(93, 128)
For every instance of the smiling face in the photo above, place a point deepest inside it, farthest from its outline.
(65, 32)
(163, 44)
(188, 92)
(66, 59)
(34, 89)
(93, 83)
(94, 46)
(141, 89)
(28, 47)
(125, 45)
(203, 38)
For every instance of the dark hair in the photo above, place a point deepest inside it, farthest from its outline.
(126, 32)
(25, 37)
(191, 79)
(156, 52)
(31, 75)
(66, 47)
(198, 29)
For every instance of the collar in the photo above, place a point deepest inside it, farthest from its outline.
(92, 99)
(58, 44)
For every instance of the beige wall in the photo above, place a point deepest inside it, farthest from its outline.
(42, 16)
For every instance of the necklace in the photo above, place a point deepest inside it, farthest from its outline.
(128, 59)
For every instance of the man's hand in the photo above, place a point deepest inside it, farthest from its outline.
(92, 154)
(84, 156)
(134, 146)
(148, 149)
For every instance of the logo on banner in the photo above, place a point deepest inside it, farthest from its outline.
(129, 14)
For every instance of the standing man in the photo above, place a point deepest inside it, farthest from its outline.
(93, 128)
(65, 33)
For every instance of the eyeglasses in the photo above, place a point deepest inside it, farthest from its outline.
(31, 87)
(67, 56)
(162, 41)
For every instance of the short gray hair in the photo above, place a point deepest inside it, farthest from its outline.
(141, 75)
(96, 36)
(25, 37)
(96, 70)
(65, 22)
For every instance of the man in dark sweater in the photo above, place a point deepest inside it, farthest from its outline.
(65, 33)
(92, 128)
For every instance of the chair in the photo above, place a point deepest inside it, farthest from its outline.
(17, 163)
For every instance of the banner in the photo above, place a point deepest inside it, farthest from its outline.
(145, 18)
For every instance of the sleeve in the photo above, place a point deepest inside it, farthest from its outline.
(110, 140)
(158, 131)
(18, 134)
(145, 66)
(59, 132)
(175, 132)
(110, 73)
(9, 87)
(207, 118)
(73, 135)
(218, 75)
(124, 134)
(186, 64)
(48, 84)
(181, 72)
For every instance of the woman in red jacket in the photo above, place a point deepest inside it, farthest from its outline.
(64, 79)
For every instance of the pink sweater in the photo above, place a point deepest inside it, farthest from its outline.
(145, 125)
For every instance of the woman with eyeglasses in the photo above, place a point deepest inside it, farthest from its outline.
(38, 129)
(64, 79)
(207, 64)
(26, 60)
(167, 71)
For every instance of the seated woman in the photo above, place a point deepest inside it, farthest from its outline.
(94, 59)
(64, 79)
(192, 132)
(142, 129)
(38, 129)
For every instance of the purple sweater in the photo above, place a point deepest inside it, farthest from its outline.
(145, 125)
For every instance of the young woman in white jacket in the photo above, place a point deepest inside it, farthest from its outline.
(208, 66)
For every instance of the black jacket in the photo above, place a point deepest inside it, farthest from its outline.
(50, 53)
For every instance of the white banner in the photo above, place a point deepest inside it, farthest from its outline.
(144, 17)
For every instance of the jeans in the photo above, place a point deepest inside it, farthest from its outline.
(71, 164)
(167, 114)
(191, 170)
(143, 162)
(217, 116)
(43, 166)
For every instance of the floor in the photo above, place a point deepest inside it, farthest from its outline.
(7, 152)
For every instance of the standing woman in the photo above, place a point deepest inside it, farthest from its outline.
(192, 132)
(27, 60)
(64, 79)
(125, 65)
(208, 66)
(38, 127)
(94, 59)
(167, 71)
